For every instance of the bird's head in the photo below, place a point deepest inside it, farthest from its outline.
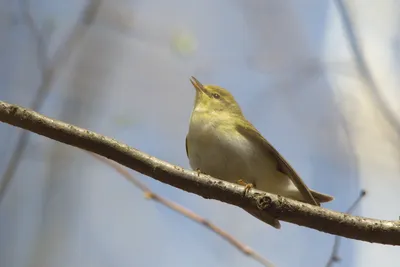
(212, 98)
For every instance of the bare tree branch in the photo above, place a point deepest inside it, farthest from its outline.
(49, 70)
(185, 212)
(336, 244)
(260, 203)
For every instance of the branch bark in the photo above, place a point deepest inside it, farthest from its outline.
(261, 203)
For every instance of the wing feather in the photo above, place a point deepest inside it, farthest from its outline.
(250, 132)
(186, 147)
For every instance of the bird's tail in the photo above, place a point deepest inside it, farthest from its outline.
(321, 198)
(265, 217)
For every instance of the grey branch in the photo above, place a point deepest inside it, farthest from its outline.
(336, 223)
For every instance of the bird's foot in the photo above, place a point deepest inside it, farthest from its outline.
(199, 172)
(247, 186)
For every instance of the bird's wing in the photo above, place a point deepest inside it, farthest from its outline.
(248, 131)
(186, 146)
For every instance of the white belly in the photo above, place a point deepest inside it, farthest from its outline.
(220, 156)
(233, 157)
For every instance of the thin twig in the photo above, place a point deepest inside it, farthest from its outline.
(49, 71)
(185, 212)
(263, 204)
(363, 66)
(41, 45)
(335, 249)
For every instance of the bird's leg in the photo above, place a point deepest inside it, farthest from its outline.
(247, 186)
(198, 171)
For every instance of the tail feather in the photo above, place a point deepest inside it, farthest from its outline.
(321, 198)
(265, 218)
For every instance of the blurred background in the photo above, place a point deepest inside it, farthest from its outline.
(318, 78)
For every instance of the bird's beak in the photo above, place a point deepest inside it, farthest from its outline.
(197, 85)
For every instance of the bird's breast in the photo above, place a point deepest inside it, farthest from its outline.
(219, 150)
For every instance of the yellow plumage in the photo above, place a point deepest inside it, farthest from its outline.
(223, 144)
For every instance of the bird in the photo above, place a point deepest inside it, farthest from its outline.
(222, 143)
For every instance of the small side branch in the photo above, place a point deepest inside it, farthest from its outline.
(185, 212)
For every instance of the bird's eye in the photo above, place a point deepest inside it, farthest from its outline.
(216, 96)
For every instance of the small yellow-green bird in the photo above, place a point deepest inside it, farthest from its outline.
(222, 143)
